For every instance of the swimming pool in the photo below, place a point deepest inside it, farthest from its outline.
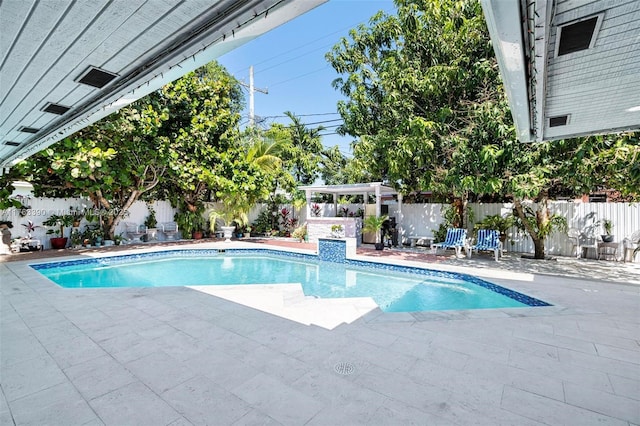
(393, 288)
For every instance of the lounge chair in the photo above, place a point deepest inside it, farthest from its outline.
(169, 229)
(456, 239)
(489, 240)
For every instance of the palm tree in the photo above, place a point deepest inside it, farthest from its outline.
(263, 152)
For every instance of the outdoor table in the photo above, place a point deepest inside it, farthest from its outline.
(608, 249)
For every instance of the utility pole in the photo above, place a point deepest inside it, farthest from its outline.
(252, 90)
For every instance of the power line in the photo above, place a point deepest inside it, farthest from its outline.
(302, 115)
(305, 45)
(325, 121)
(300, 76)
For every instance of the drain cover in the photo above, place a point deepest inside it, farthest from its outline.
(344, 368)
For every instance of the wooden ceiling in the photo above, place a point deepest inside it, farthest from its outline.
(46, 46)
(595, 90)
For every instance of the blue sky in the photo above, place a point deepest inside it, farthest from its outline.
(289, 62)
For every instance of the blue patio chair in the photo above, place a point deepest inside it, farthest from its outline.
(456, 239)
(489, 240)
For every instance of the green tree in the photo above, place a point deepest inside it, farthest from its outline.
(425, 100)
(202, 129)
(113, 162)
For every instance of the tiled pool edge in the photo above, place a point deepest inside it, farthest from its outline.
(512, 294)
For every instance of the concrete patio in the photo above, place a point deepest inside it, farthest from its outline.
(179, 356)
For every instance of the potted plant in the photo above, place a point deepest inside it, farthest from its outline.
(300, 233)
(189, 222)
(118, 239)
(76, 215)
(315, 210)
(60, 221)
(30, 227)
(150, 222)
(499, 223)
(76, 238)
(374, 224)
(232, 211)
(337, 231)
(608, 227)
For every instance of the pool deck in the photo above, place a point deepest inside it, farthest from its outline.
(181, 356)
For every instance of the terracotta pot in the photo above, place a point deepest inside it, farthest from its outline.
(58, 243)
(197, 235)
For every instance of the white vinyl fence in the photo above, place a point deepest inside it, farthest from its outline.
(417, 219)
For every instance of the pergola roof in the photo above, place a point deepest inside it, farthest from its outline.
(355, 188)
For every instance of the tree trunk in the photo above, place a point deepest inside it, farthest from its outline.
(541, 218)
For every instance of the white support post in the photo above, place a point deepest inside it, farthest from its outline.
(400, 220)
(307, 193)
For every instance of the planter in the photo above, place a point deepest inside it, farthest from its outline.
(152, 234)
(197, 235)
(379, 246)
(58, 243)
(607, 238)
(228, 232)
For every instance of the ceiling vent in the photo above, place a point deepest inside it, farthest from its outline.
(560, 120)
(55, 108)
(578, 35)
(96, 77)
(12, 143)
(28, 129)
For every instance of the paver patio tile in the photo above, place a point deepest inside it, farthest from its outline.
(552, 412)
(600, 363)
(402, 388)
(179, 345)
(274, 398)
(625, 386)
(602, 402)
(570, 372)
(20, 348)
(201, 401)
(57, 405)
(159, 371)
(558, 341)
(30, 376)
(180, 422)
(136, 351)
(444, 369)
(133, 404)
(99, 376)
(632, 356)
(225, 370)
(283, 367)
(256, 418)
(394, 412)
(74, 351)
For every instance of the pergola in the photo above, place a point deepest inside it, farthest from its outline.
(376, 188)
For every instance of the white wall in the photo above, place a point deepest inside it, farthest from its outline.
(419, 219)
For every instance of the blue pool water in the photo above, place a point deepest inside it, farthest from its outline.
(393, 288)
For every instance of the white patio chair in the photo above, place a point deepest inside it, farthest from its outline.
(629, 245)
(135, 231)
(169, 229)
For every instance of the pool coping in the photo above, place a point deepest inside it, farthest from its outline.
(376, 315)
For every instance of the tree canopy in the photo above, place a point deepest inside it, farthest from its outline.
(179, 143)
(426, 102)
